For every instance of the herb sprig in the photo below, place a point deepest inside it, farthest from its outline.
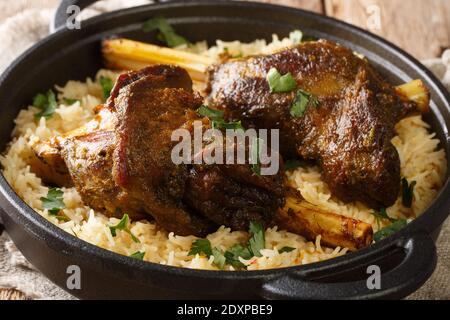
(396, 225)
(280, 83)
(123, 226)
(138, 255)
(217, 120)
(286, 83)
(54, 201)
(302, 101)
(107, 85)
(407, 192)
(231, 257)
(166, 33)
(46, 103)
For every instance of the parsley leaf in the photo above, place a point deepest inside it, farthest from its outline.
(302, 100)
(166, 33)
(138, 255)
(54, 201)
(217, 121)
(46, 103)
(280, 83)
(212, 114)
(107, 85)
(407, 192)
(232, 255)
(257, 241)
(286, 249)
(201, 246)
(219, 258)
(123, 226)
(390, 230)
(292, 164)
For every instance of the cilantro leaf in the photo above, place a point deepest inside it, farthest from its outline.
(46, 103)
(54, 201)
(221, 124)
(232, 255)
(219, 258)
(138, 255)
(166, 33)
(123, 226)
(257, 241)
(280, 83)
(302, 100)
(107, 85)
(390, 230)
(286, 249)
(201, 246)
(217, 121)
(210, 113)
(407, 192)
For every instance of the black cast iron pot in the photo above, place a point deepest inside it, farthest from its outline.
(406, 259)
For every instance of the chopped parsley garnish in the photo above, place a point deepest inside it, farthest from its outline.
(46, 103)
(231, 257)
(296, 36)
(212, 114)
(257, 241)
(219, 258)
(286, 249)
(107, 85)
(396, 225)
(138, 255)
(407, 192)
(390, 230)
(287, 83)
(256, 155)
(280, 83)
(123, 226)
(54, 201)
(302, 101)
(292, 164)
(166, 33)
(201, 246)
(217, 121)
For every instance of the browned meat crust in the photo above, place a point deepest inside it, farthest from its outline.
(348, 135)
(127, 168)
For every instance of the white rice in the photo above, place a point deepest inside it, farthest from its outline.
(421, 161)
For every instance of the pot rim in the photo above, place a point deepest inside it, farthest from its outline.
(43, 228)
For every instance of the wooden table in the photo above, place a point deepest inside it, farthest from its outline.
(420, 27)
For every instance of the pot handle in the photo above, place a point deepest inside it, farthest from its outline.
(411, 272)
(61, 14)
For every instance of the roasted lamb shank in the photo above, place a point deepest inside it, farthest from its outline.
(125, 166)
(348, 134)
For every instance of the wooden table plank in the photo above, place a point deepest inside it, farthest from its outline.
(420, 27)
(310, 5)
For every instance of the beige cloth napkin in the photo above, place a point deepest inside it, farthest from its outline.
(27, 23)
